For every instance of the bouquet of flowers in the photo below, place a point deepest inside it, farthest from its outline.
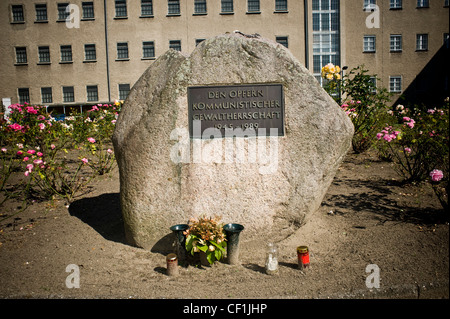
(206, 235)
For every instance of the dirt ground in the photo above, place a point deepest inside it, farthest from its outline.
(366, 218)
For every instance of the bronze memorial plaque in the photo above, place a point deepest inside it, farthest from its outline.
(236, 110)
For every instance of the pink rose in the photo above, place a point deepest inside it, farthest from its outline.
(31, 152)
(407, 150)
(91, 139)
(52, 146)
(436, 175)
(39, 154)
(26, 158)
(84, 160)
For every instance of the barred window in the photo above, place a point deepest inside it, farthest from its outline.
(253, 6)
(66, 53)
(148, 49)
(281, 5)
(68, 94)
(88, 10)
(17, 13)
(146, 7)
(395, 84)
(21, 55)
(198, 41)
(175, 44)
(122, 50)
(369, 43)
(423, 4)
(62, 14)
(283, 41)
(227, 6)
(396, 43)
(174, 7)
(121, 8)
(369, 4)
(92, 93)
(396, 4)
(200, 6)
(422, 42)
(46, 95)
(24, 95)
(90, 52)
(41, 12)
(124, 89)
(44, 54)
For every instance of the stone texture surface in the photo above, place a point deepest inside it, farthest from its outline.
(157, 192)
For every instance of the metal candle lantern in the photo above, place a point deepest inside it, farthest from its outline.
(232, 232)
(181, 241)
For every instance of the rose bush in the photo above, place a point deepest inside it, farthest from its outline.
(44, 149)
(417, 141)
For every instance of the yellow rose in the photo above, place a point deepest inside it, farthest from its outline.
(329, 76)
(338, 69)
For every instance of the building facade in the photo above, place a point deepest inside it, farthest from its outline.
(87, 52)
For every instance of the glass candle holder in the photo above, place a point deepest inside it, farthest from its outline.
(271, 259)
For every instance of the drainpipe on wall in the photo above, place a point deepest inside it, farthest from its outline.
(106, 49)
(305, 8)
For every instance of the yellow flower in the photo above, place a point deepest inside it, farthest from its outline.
(337, 76)
(329, 76)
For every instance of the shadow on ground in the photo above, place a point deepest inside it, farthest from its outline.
(377, 198)
(103, 214)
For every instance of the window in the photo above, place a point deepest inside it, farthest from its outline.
(62, 14)
(92, 93)
(173, 7)
(200, 7)
(395, 84)
(198, 41)
(24, 95)
(66, 53)
(253, 6)
(41, 12)
(422, 4)
(88, 10)
(446, 3)
(21, 55)
(89, 52)
(369, 4)
(422, 42)
(148, 50)
(396, 43)
(46, 95)
(146, 8)
(175, 44)
(17, 13)
(124, 89)
(68, 94)
(121, 8)
(446, 40)
(283, 41)
(281, 5)
(369, 43)
(122, 51)
(396, 4)
(44, 54)
(373, 81)
(326, 44)
(227, 6)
